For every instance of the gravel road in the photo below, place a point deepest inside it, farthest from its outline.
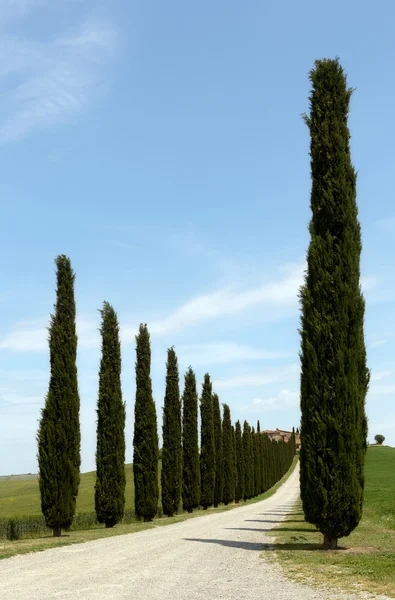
(206, 558)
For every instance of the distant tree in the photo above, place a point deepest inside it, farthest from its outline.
(229, 482)
(219, 466)
(59, 435)
(240, 466)
(379, 439)
(334, 378)
(247, 461)
(145, 440)
(110, 450)
(190, 445)
(252, 454)
(207, 445)
(171, 474)
(258, 460)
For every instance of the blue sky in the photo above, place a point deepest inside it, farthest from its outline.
(160, 145)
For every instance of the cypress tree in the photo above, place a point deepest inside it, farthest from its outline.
(59, 435)
(240, 466)
(234, 461)
(207, 445)
(219, 467)
(252, 454)
(145, 440)
(258, 461)
(334, 377)
(171, 475)
(229, 481)
(190, 445)
(110, 450)
(247, 460)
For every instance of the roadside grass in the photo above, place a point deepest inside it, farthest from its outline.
(366, 559)
(43, 542)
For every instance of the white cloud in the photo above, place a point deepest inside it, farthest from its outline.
(270, 376)
(285, 399)
(32, 336)
(224, 352)
(377, 343)
(382, 390)
(368, 283)
(379, 375)
(228, 301)
(51, 80)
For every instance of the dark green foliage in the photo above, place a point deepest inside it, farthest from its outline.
(229, 467)
(219, 466)
(190, 445)
(240, 466)
(110, 451)
(145, 440)
(234, 461)
(258, 460)
(247, 461)
(334, 378)
(171, 475)
(252, 451)
(379, 439)
(59, 435)
(207, 445)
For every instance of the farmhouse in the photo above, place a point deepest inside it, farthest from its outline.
(282, 435)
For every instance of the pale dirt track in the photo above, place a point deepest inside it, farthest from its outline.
(206, 558)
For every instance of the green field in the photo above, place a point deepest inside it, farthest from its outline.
(22, 497)
(367, 557)
(43, 541)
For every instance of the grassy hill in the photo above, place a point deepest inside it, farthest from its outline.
(365, 560)
(22, 496)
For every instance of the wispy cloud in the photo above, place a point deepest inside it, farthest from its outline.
(230, 301)
(285, 399)
(259, 379)
(379, 375)
(218, 353)
(32, 336)
(46, 82)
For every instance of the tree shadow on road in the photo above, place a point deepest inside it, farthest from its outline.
(257, 547)
(273, 521)
(297, 529)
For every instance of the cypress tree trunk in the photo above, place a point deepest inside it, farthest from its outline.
(59, 435)
(240, 466)
(334, 377)
(190, 445)
(207, 446)
(229, 481)
(219, 467)
(145, 440)
(171, 475)
(247, 460)
(110, 451)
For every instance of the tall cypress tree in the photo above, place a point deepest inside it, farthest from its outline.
(252, 451)
(190, 444)
(240, 466)
(110, 451)
(229, 480)
(59, 435)
(207, 445)
(247, 460)
(171, 475)
(145, 440)
(219, 467)
(334, 377)
(258, 460)
(234, 461)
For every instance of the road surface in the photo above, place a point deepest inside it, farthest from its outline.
(212, 557)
